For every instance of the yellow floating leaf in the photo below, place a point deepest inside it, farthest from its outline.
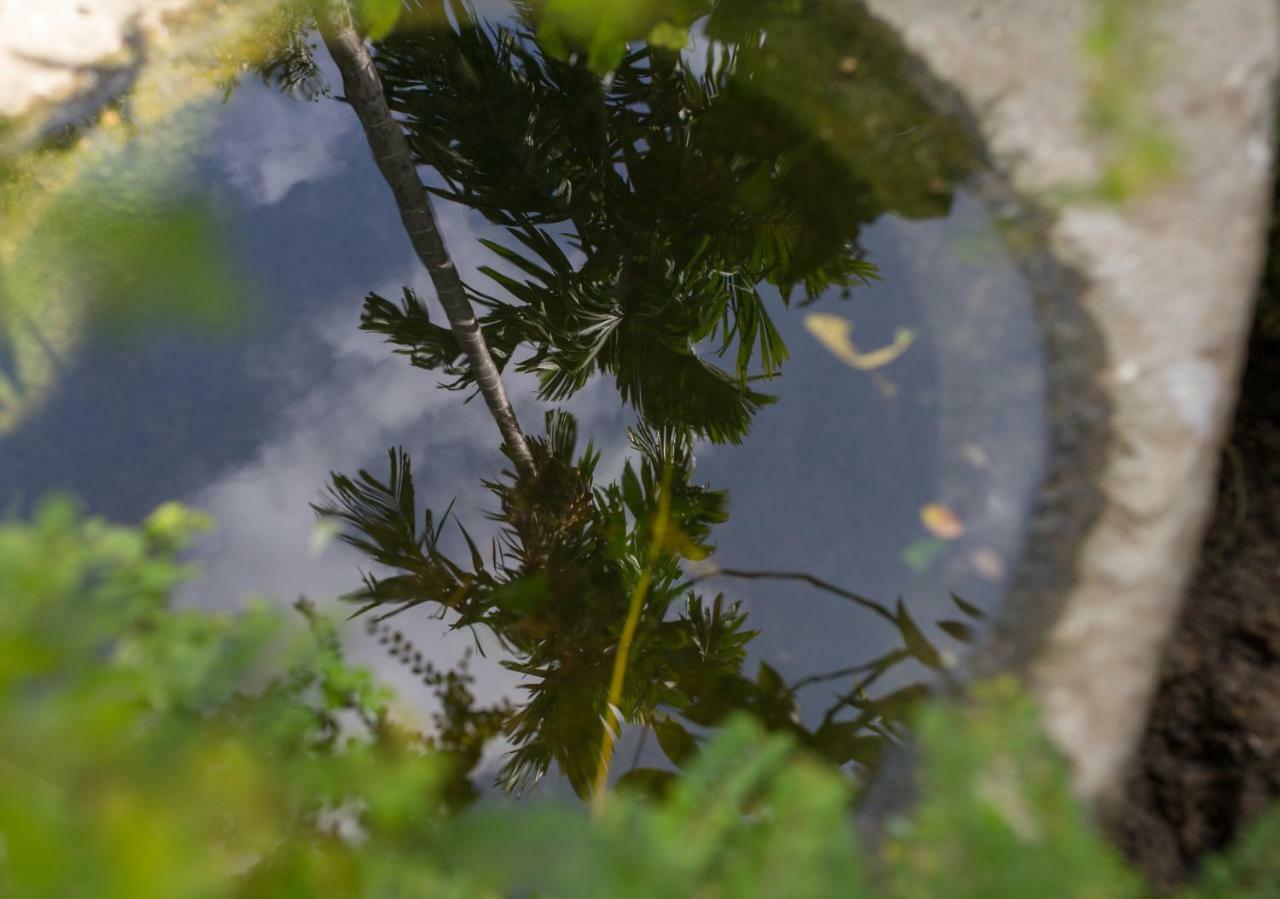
(942, 522)
(836, 334)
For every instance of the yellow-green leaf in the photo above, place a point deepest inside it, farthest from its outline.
(921, 554)
(669, 36)
(378, 17)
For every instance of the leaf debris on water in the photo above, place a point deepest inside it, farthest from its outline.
(836, 334)
(920, 555)
(941, 521)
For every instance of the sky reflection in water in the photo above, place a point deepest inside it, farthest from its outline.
(831, 481)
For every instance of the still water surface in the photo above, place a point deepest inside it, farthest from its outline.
(897, 464)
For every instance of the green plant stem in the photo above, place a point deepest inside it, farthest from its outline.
(609, 736)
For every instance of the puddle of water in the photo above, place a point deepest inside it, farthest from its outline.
(896, 461)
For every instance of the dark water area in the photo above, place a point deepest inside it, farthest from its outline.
(898, 463)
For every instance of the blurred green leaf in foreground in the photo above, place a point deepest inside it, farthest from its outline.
(102, 222)
(152, 752)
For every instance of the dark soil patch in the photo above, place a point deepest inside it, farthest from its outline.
(1210, 760)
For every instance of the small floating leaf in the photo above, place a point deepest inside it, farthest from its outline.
(941, 522)
(976, 456)
(987, 562)
(836, 334)
(922, 553)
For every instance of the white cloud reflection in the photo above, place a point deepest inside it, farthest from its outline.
(276, 143)
(342, 415)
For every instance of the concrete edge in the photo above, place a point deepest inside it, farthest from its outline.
(1165, 283)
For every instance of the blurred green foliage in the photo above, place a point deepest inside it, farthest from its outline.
(136, 256)
(152, 752)
(378, 17)
(101, 222)
(1120, 52)
(98, 235)
(603, 28)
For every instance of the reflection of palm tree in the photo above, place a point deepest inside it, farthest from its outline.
(556, 588)
(642, 215)
(542, 148)
(363, 90)
(678, 192)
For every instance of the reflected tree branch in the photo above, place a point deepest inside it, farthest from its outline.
(763, 575)
(875, 666)
(363, 91)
